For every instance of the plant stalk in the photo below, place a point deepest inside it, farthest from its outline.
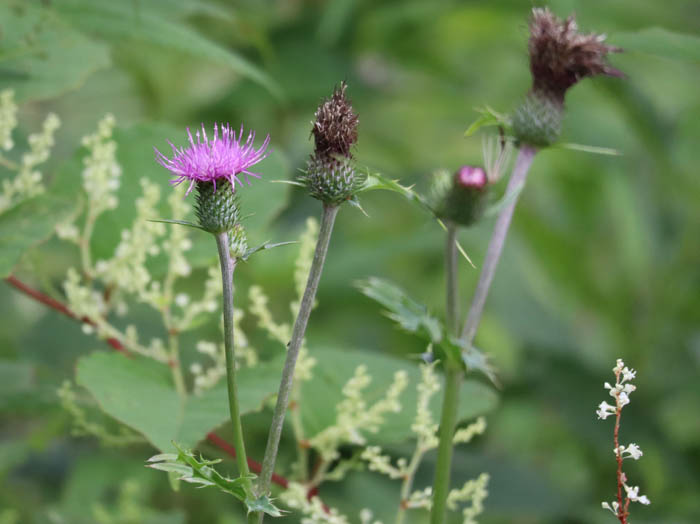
(498, 238)
(452, 278)
(453, 376)
(307, 302)
(227, 267)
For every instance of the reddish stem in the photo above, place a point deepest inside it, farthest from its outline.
(60, 307)
(622, 507)
(212, 437)
(254, 466)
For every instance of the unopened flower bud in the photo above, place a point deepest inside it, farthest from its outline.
(461, 198)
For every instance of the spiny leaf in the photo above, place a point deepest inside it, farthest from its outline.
(262, 247)
(409, 314)
(488, 117)
(264, 504)
(199, 471)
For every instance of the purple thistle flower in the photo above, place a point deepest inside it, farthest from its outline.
(223, 157)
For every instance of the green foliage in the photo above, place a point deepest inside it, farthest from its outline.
(661, 42)
(414, 318)
(117, 22)
(27, 224)
(334, 367)
(187, 468)
(141, 396)
(41, 55)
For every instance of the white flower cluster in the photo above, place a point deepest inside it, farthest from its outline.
(207, 377)
(425, 429)
(423, 425)
(472, 493)
(313, 510)
(126, 268)
(8, 118)
(102, 171)
(621, 391)
(355, 416)
(27, 182)
(382, 463)
(208, 303)
(258, 307)
(302, 265)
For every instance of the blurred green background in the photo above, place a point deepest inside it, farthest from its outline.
(603, 260)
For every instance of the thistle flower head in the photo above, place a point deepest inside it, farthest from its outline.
(335, 126)
(560, 56)
(330, 174)
(221, 158)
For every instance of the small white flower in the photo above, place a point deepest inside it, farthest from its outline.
(633, 451)
(182, 299)
(628, 374)
(605, 410)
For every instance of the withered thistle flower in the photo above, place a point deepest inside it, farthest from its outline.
(330, 175)
(214, 166)
(560, 56)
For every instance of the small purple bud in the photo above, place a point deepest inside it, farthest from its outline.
(471, 177)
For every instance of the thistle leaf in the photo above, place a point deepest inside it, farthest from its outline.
(409, 314)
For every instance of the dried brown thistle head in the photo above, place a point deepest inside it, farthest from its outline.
(335, 126)
(560, 56)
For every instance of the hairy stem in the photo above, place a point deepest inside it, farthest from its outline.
(227, 266)
(452, 278)
(498, 238)
(448, 422)
(453, 375)
(307, 301)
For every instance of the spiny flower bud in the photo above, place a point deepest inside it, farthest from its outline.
(461, 198)
(560, 56)
(330, 175)
(238, 241)
(216, 207)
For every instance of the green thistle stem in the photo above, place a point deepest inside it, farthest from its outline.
(227, 267)
(307, 301)
(453, 374)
